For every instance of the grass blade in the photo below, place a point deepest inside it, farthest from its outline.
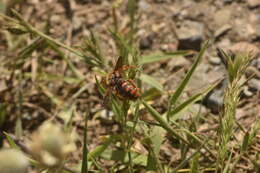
(190, 101)
(101, 148)
(163, 122)
(11, 141)
(161, 56)
(151, 81)
(185, 81)
(84, 168)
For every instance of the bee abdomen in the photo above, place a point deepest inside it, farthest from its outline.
(128, 90)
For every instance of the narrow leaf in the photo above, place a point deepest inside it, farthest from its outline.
(185, 81)
(190, 101)
(151, 81)
(155, 57)
(101, 148)
(11, 141)
(163, 122)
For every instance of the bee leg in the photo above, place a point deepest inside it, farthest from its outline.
(137, 90)
(132, 82)
(125, 67)
(117, 94)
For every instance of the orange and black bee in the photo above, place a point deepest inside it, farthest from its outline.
(124, 89)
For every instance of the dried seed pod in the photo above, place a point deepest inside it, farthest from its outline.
(50, 144)
(13, 161)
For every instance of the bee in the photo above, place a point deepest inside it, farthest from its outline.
(124, 89)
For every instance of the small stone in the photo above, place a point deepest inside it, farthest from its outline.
(169, 47)
(190, 35)
(247, 92)
(144, 6)
(177, 63)
(228, 1)
(214, 100)
(215, 60)
(224, 43)
(253, 3)
(222, 17)
(258, 63)
(222, 30)
(254, 85)
(245, 47)
(147, 42)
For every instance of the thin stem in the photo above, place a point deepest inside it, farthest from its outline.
(84, 168)
(130, 141)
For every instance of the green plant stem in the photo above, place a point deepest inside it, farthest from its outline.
(84, 168)
(163, 122)
(130, 140)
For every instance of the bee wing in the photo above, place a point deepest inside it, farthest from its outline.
(120, 62)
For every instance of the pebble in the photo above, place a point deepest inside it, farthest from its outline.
(253, 3)
(144, 6)
(177, 63)
(215, 60)
(147, 42)
(222, 30)
(214, 100)
(222, 16)
(190, 35)
(247, 92)
(242, 47)
(227, 1)
(254, 84)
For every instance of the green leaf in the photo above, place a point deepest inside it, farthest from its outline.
(55, 48)
(100, 88)
(151, 81)
(155, 57)
(84, 166)
(54, 77)
(156, 137)
(151, 94)
(67, 114)
(185, 81)
(163, 122)
(91, 45)
(183, 106)
(245, 142)
(11, 141)
(123, 46)
(28, 50)
(101, 148)
(195, 164)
